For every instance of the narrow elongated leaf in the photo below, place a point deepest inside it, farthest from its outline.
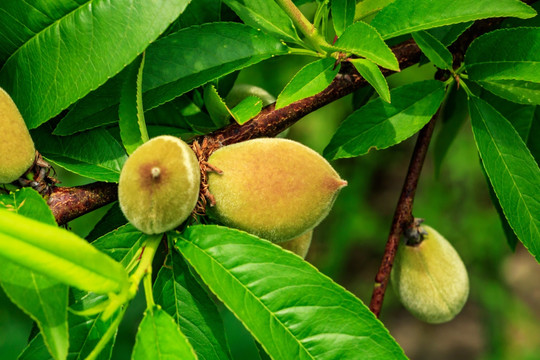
(310, 80)
(59, 254)
(132, 125)
(435, 51)
(513, 60)
(202, 53)
(373, 76)
(512, 171)
(41, 297)
(379, 124)
(265, 15)
(342, 14)
(78, 51)
(182, 297)
(518, 91)
(103, 163)
(407, 16)
(363, 40)
(293, 310)
(160, 338)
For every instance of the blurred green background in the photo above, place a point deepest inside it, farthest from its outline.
(501, 318)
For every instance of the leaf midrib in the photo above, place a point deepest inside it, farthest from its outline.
(212, 260)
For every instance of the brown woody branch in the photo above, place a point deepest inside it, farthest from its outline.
(70, 203)
(403, 218)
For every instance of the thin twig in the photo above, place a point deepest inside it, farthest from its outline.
(403, 217)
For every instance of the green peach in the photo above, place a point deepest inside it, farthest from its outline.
(430, 279)
(159, 185)
(17, 152)
(276, 189)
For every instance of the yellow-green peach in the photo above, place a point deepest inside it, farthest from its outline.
(430, 279)
(17, 152)
(276, 189)
(159, 185)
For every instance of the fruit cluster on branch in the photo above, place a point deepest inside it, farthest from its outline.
(69, 204)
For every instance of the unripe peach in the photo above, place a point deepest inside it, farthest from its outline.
(159, 185)
(276, 189)
(430, 279)
(299, 245)
(17, 152)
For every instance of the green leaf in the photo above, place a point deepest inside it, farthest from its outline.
(367, 8)
(42, 298)
(216, 106)
(247, 109)
(512, 60)
(132, 125)
(15, 29)
(199, 12)
(520, 116)
(379, 124)
(373, 76)
(103, 163)
(511, 237)
(202, 53)
(310, 80)
(512, 171)
(208, 60)
(449, 33)
(363, 40)
(435, 51)
(182, 297)
(160, 338)
(84, 334)
(77, 52)
(518, 91)
(59, 254)
(267, 16)
(534, 135)
(113, 219)
(293, 310)
(99, 107)
(453, 114)
(407, 16)
(342, 14)
(121, 244)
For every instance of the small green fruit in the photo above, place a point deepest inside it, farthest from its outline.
(159, 185)
(299, 245)
(430, 279)
(17, 152)
(276, 189)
